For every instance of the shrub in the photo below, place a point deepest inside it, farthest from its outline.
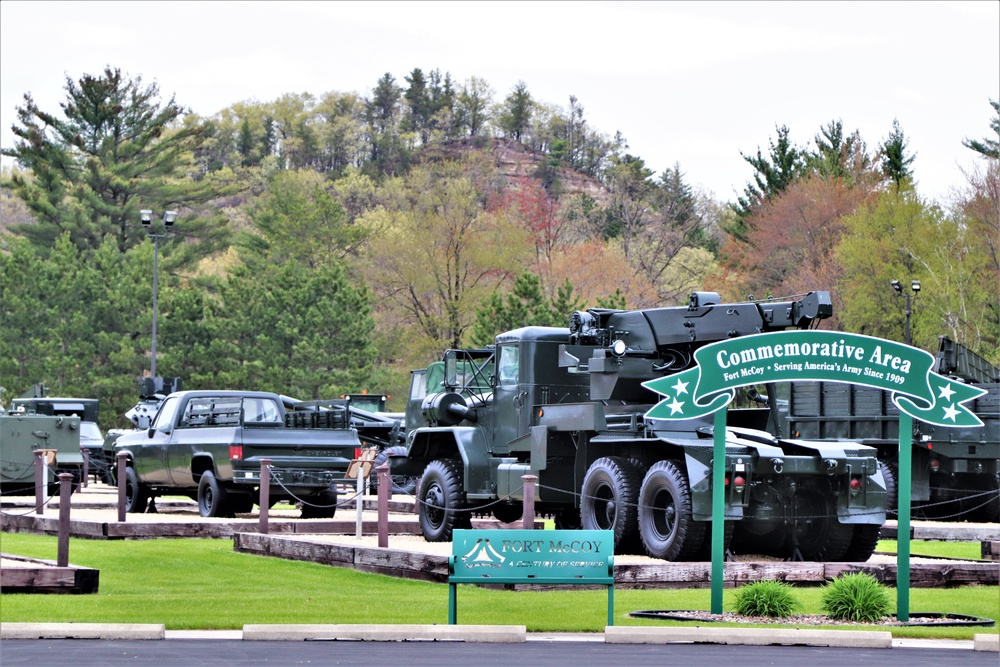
(856, 597)
(766, 598)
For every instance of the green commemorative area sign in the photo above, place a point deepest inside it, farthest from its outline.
(918, 392)
(815, 355)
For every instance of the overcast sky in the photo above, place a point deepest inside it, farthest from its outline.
(691, 83)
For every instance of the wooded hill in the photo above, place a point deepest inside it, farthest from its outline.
(329, 245)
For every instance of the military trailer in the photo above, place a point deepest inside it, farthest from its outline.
(21, 434)
(86, 409)
(568, 405)
(955, 472)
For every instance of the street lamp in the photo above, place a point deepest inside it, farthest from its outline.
(915, 286)
(156, 232)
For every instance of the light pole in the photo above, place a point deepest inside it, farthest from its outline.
(915, 286)
(156, 232)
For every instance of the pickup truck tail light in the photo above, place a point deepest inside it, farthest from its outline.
(235, 452)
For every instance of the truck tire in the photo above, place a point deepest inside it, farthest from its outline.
(666, 526)
(136, 494)
(609, 499)
(320, 506)
(568, 519)
(705, 552)
(212, 500)
(508, 512)
(440, 498)
(866, 536)
(400, 483)
(821, 538)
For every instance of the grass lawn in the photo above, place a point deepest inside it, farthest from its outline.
(204, 584)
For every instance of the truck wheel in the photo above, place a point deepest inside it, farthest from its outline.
(665, 524)
(241, 502)
(568, 519)
(820, 538)
(400, 483)
(440, 496)
(320, 506)
(705, 552)
(136, 495)
(212, 500)
(508, 512)
(609, 499)
(865, 537)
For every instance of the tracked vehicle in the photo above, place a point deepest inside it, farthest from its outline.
(568, 405)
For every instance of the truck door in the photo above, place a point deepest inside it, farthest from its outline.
(151, 457)
(511, 413)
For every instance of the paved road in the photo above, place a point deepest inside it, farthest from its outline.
(535, 653)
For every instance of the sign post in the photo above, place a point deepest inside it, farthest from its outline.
(827, 356)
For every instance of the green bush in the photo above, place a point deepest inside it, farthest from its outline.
(856, 597)
(766, 598)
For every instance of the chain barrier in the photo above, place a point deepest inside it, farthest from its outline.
(575, 494)
(340, 503)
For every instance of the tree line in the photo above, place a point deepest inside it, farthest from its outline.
(328, 245)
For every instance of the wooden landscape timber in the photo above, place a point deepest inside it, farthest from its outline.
(333, 542)
(31, 575)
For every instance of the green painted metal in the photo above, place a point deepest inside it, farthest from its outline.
(718, 510)
(826, 356)
(815, 355)
(903, 523)
(551, 557)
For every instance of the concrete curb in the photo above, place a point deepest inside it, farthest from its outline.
(747, 637)
(81, 631)
(388, 633)
(986, 643)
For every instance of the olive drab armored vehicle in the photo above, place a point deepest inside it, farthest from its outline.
(21, 434)
(568, 405)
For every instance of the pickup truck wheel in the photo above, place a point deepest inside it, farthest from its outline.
(666, 526)
(136, 495)
(241, 502)
(320, 506)
(609, 499)
(439, 497)
(212, 500)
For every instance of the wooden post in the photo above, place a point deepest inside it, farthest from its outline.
(528, 518)
(40, 481)
(264, 499)
(122, 465)
(384, 489)
(86, 465)
(65, 490)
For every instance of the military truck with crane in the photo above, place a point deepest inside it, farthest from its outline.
(568, 405)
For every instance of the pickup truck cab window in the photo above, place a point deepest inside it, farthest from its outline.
(211, 411)
(165, 417)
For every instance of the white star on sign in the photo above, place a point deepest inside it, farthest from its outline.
(950, 412)
(680, 387)
(676, 407)
(945, 392)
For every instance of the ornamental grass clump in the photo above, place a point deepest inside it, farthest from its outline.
(773, 599)
(856, 597)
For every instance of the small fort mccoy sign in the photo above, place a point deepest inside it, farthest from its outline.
(815, 355)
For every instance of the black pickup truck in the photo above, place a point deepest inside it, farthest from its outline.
(208, 445)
